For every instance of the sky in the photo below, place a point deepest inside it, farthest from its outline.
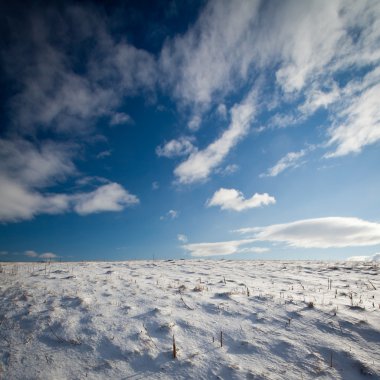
(189, 129)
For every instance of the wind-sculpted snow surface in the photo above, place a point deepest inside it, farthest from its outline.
(229, 319)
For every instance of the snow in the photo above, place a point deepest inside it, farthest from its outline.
(116, 320)
(374, 257)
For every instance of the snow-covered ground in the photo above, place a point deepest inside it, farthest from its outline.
(103, 320)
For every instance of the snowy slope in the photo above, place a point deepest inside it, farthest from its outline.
(278, 320)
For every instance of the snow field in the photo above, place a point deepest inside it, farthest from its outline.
(116, 320)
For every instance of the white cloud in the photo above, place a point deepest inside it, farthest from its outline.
(44, 256)
(302, 39)
(182, 238)
(36, 165)
(155, 185)
(374, 257)
(359, 124)
(56, 100)
(31, 254)
(309, 42)
(290, 160)
(175, 148)
(194, 123)
(309, 34)
(110, 197)
(283, 120)
(334, 37)
(228, 170)
(222, 110)
(216, 249)
(171, 214)
(26, 170)
(18, 202)
(104, 153)
(119, 118)
(198, 64)
(91, 180)
(201, 163)
(54, 203)
(316, 98)
(231, 199)
(329, 232)
(54, 96)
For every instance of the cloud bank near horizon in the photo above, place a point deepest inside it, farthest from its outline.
(322, 233)
(329, 232)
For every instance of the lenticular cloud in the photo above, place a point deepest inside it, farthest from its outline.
(331, 232)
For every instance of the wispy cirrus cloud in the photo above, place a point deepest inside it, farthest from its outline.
(197, 64)
(290, 160)
(333, 37)
(231, 199)
(264, 35)
(307, 46)
(358, 124)
(201, 163)
(228, 170)
(313, 58)
(318, 98)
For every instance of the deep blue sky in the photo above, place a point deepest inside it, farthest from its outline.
(237, 129)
